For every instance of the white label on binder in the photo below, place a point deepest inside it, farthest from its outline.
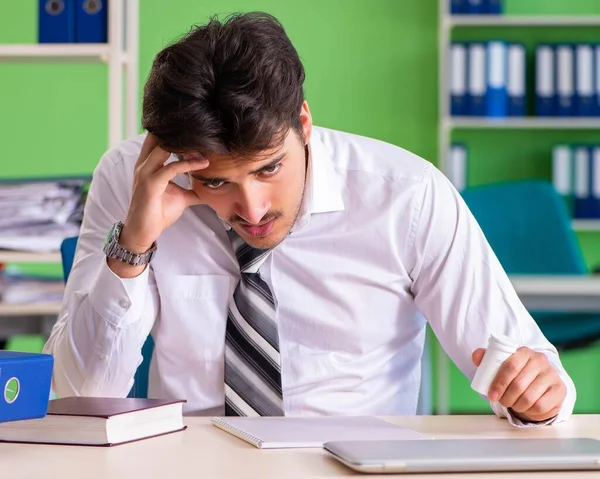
(497, 64)
(516, 70)
(585, 70)
(564, 68)
(561, 169)
(596, 172)
(545, 71)
(477, 84)
(458, 69)
(582, 173)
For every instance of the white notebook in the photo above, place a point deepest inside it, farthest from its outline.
(288, 432)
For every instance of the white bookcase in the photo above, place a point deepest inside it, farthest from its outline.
(447, 124)
(120, 55)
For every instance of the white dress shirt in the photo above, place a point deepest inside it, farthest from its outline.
(383, 241)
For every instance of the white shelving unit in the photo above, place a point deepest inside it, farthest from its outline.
(120, 55)
(447, 124)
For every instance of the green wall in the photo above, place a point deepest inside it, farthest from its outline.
(371, 69)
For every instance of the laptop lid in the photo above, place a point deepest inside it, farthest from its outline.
(467, 455)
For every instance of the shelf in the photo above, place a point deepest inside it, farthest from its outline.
(55, 52)
(531, 123)
(21, 257)
(33, 309)
(522, 20)
(586, 225)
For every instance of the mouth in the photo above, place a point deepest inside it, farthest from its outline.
(260, 230)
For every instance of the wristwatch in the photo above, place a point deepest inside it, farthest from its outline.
(113, 249)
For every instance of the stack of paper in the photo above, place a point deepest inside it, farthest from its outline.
(20, 288)
(37, 215)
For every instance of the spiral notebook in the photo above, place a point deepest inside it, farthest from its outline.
(297, 432)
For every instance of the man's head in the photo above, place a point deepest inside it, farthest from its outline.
(232, 92)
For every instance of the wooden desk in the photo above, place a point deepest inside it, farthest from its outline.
(205, 452)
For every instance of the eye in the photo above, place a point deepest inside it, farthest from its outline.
(213, 184)
(271, 170)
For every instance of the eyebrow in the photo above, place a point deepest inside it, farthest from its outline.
(272, 163)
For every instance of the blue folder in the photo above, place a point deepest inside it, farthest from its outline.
(56, 21)
(25, 382)
(91, 21)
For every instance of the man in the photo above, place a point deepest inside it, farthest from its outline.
(281, 268)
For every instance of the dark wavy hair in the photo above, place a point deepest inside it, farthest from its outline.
(231, 88)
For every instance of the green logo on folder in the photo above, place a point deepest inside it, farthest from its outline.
(11, 390)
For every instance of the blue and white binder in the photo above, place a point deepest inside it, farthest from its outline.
(594, 204)
(457, 7)
(545, 86)
(476, 87)
(493, 7)
(56, 21)
(565, 80)
(516, 84)
(458, 79)
(475, 7)
(562, 174)
(582, 190)
(457, 165)
(91, 21)
(597, 80)
(496, 95)
(585, 98)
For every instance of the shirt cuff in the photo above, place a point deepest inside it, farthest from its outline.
(120, 301)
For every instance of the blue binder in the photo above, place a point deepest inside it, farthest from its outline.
(585, 97)
(56, 21)
(476, 80)
(565, 80)
(582, 190)
(25, 382)
(545, 81)
(458, 79)
(496, 97)
(594, 198)
(91, 21)
(597, 79)
(516, 85)
(475, 7)
(493, 7)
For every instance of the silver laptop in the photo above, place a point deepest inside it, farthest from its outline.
(467, 455)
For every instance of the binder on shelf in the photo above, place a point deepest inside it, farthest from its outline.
(516, 82)
(457, 7)
(457, 164)
(562, 174)
(91, 21)
(582, 182)
(597, 80)
(545, 86)
(493, 7)
(458, 79)
(585, 100)
(496, 98)
(475, 7)
(476, 86)
(594, 203)
(56, 21)
(565, 80)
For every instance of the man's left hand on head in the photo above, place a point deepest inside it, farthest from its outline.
(527, 384)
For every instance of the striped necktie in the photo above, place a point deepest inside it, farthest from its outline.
(252, 363)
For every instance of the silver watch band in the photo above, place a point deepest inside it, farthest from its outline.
(112, 249)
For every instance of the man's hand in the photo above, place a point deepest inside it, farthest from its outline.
(527, 384)
(156, 201)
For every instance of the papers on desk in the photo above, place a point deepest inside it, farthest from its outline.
(296, 432)
(35, 216)
(20, 289)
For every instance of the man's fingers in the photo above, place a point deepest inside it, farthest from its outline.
(150, 142)
(477, 356)
(189, 196)
(519, 385)
(167, 173)
(507, 373)
(532, 394)
(548, 405)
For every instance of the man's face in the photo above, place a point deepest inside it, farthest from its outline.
(260, 198)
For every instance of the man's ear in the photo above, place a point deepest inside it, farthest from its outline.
(306, 121)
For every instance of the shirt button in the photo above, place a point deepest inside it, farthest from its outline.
(124, 303)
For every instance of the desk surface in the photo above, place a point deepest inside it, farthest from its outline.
(203, 451)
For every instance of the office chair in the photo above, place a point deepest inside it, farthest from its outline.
(140, 384)
(529, 228)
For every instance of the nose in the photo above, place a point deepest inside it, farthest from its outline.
(253, 203)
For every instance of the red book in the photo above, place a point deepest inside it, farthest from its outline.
(97, 421)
